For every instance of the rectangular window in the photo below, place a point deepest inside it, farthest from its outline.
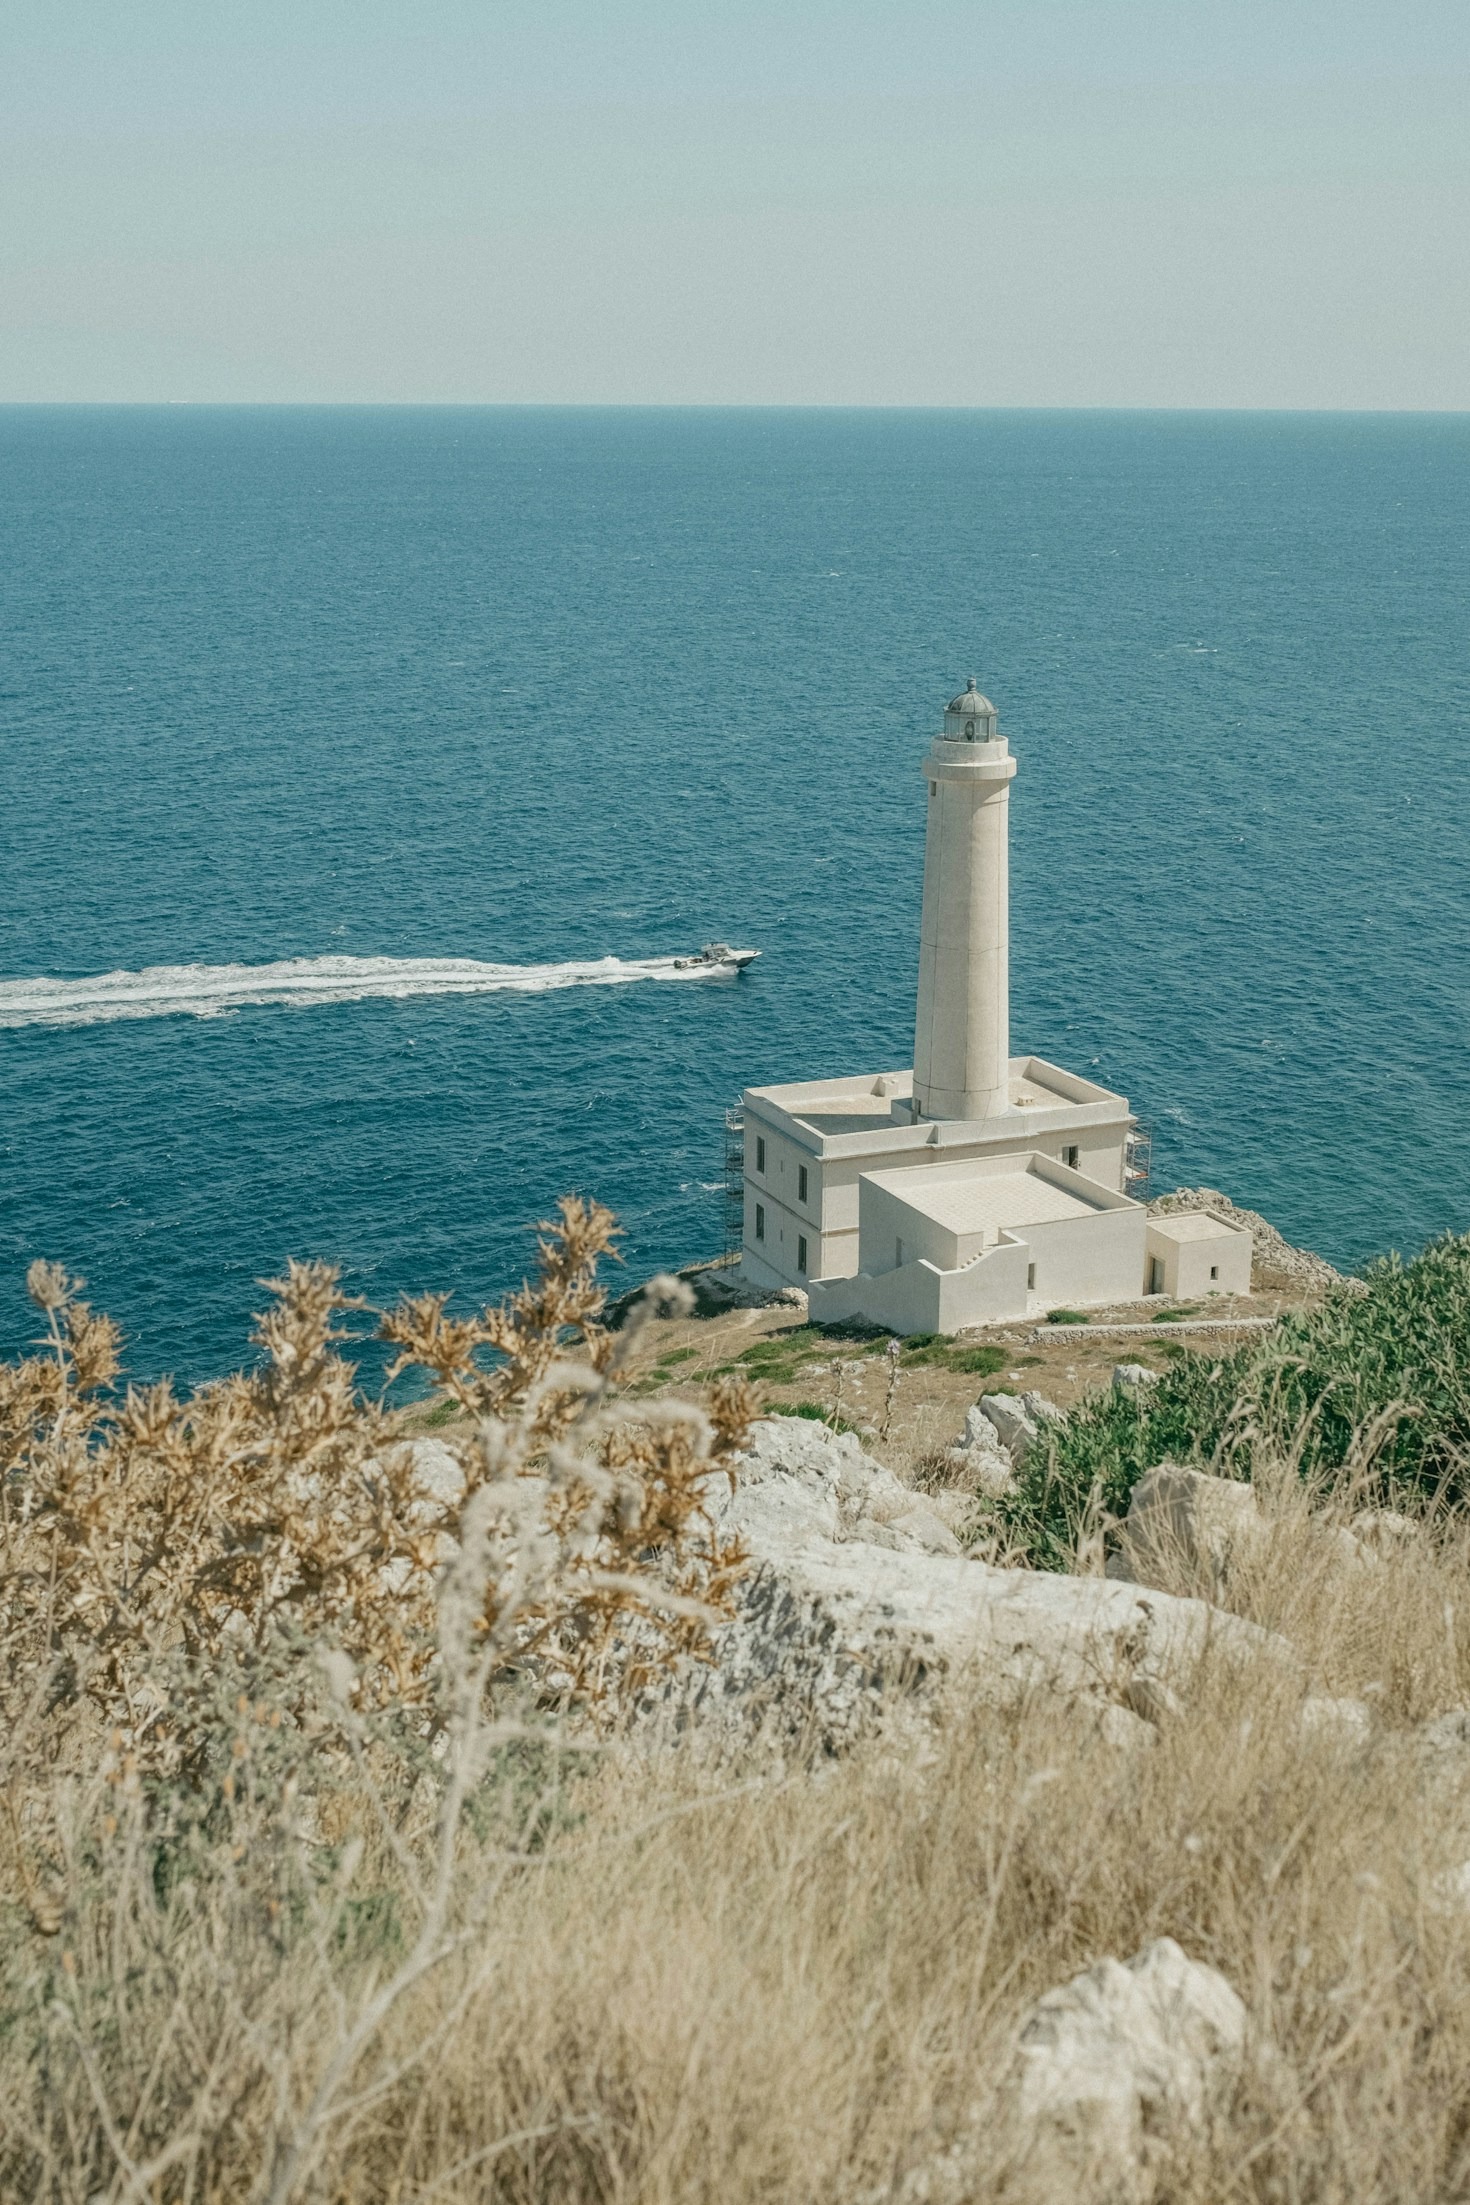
(801, 1256)
(1214, 1270)
(1069, 1158)
(760, 1221)
(898, 1255)
(1030, 1276)
(801, 1182)
(760, 1153)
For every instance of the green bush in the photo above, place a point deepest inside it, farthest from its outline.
(1065, 1317)
(1397, 1349)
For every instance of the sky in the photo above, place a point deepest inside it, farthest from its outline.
(1153, 203)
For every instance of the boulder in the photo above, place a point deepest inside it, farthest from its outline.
(722, 1287)
(798, 1480)
(1108, 2070)
(1344, 1723)
(1017, 1419)
(853, 1599)
(980, 1458)
(1382, 1529)
(1130, 1376)
(1120, 2056)
(1444, 1751)
(1182, 1519)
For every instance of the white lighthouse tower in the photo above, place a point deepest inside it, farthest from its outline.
(979, 1187)
(962, 1039)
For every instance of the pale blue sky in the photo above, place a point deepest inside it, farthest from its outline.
(1006, 202)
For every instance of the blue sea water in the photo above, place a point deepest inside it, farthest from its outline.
(544, 686)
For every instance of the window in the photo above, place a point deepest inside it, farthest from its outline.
(760, 1153)
(1155, 1276)
(1030, 1276)
(898, 1255)
(969, 731)
(760, 1221)
(801, 1182)
(801, 1256)
(1214, 1270)
(1069, 1158)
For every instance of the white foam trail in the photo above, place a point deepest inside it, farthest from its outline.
(209, 991)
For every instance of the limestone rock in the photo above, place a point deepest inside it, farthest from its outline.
(1119, 2056)
(1444, 1750)
(438, 1471)
(1346, 1723)
(798, 1480)
(1382, 1529)
(1130, 1376)
(956, 1506)
(981, 1459)
(722, 1287)
(1017, 1419)
(852, 1599)
(1182, 1518)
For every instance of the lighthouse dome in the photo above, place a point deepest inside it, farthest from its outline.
(970, 718)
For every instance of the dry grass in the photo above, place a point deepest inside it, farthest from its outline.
(662, 1977)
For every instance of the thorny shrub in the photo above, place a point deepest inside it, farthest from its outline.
(147, 1542)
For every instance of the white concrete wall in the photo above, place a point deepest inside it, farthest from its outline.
(1089, 1259)
(921, 1298)
(886, 1220)
(789, 1219)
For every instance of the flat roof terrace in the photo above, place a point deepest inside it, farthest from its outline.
(986, 1203)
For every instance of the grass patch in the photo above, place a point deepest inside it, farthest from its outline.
(813, 1412)
(941, 1351)
(1175, 1316)
(677, 1355)
(1065, 1317)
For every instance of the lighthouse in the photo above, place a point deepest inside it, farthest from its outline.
(962, 1039)
(976, 1188)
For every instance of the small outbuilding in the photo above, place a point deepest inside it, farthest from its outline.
(1193, 1252)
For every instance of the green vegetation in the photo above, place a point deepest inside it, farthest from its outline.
(1174, 1315)
(940, 1351)
(1382, 1369)
(677, 1355)
(813, 1412)
(779, 1357)
(776, 1359)
(1065, 1317)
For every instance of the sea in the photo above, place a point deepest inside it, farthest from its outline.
(354, 761)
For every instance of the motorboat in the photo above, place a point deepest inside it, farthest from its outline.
(717, 956)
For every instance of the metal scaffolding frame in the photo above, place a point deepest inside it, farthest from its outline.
(733, 1194)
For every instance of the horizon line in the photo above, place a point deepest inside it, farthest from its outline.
(702, 405)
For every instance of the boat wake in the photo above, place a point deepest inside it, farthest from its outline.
(212, 991)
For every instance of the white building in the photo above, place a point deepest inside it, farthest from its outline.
(978, 1186)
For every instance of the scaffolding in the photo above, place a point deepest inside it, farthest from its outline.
(733, 1183)
(1137, 1159)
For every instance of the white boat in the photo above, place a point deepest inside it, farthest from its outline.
(718, 956)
